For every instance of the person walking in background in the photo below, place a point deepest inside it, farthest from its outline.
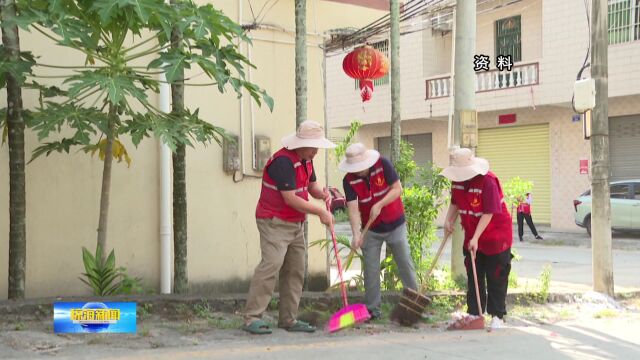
(524, 213)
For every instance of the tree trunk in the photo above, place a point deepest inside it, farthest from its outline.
(301, 98)
(180, 276)
(15, 123)
(105, 193)
(395, 80)
(601, 204)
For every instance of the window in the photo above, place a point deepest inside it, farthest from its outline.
(636, 194)
(383, 47)
(508, 38)
(624, 21)
(620, 191)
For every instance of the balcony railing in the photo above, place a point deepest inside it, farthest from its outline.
(520, 75)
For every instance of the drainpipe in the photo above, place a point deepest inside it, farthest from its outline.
(254, 160)
(165, 195)
(240, 100)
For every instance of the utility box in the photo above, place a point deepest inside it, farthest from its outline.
(262, 152)
(230, 154)
(584, 95)
(469, 127)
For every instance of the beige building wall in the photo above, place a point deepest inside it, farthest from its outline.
(63, 190)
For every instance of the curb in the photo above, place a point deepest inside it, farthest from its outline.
(231, 303)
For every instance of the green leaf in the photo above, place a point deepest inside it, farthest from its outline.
(19, 68)
(173, 63)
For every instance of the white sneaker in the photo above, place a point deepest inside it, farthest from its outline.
(496, 323)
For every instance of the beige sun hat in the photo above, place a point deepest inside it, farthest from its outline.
(358, 158)
(464, 165)
(309, 134)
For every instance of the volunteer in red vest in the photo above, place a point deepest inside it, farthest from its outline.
(524, 213)
(372, 189)
(476, 195)
(287, 181)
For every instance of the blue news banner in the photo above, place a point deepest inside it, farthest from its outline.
(94, 317)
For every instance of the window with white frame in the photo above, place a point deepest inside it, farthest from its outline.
(624, 21)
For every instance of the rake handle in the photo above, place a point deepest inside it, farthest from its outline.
(343, 288)
(475, 281)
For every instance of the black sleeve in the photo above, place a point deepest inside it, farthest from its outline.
(349, 193)
(390, 174)
(282, 172)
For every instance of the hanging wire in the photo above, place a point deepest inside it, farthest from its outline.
(411, 10)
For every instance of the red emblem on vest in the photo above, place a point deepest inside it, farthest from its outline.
(379, 181)
(475, 202)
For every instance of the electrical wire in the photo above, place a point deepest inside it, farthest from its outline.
(411, 9)
(585, 64)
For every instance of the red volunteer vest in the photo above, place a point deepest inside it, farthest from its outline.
(271, 203)
(369, 195)
(524, 208)
(497, 237)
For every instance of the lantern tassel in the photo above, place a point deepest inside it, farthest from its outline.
(366, 89)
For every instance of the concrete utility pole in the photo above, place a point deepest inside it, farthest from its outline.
(394, 8)
(600, 206)
(464, 78)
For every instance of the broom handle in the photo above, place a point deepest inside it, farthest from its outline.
(475, 281)
(435, 259)
(335, 249)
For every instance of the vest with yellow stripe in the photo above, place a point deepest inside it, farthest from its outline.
(497, 236)
(369, 195)
(271, 203)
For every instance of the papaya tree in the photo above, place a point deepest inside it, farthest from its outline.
(103, 95)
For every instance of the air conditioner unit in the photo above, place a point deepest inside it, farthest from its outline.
(442, 23)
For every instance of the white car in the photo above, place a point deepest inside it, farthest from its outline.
(625, 206)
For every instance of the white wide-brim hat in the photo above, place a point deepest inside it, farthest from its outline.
(358, 158)
(464, 165)
(309, 134)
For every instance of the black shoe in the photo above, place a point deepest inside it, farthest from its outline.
(521, 239)
(538, 237)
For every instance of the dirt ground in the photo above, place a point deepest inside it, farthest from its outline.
(184, 326)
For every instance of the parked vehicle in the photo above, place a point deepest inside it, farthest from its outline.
(625, 206)
(338, 201)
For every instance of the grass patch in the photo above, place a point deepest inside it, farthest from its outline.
(442, 307)
(223, 323)
(144, 331)
(202, 310)
(606, 313)
(144, 310)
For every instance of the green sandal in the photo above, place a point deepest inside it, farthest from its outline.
(257, 327)
(301, 326)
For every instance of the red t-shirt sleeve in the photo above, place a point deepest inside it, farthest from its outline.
(491, 201)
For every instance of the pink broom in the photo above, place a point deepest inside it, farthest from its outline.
(349, 315)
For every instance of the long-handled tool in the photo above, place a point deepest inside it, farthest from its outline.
(412, 303)
(471, 322)
(349, 315)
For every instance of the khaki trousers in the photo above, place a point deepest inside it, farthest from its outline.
(282, 248)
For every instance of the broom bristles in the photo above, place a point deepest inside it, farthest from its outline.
(348, 316)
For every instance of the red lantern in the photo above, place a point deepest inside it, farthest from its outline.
(365, 64)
